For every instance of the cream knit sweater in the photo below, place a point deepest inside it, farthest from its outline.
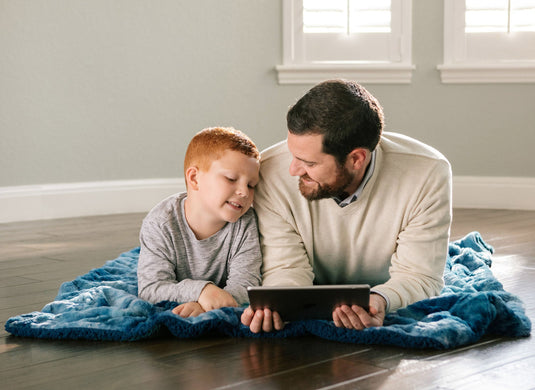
(393, 237)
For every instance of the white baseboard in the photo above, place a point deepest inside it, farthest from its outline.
(485, 192)
(50, 201)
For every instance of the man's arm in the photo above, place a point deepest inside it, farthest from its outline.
(417, 265)
(285, 259)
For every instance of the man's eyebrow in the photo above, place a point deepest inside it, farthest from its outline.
(305, 161)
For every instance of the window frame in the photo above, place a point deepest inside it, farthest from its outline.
(295, 70)
(457, 69)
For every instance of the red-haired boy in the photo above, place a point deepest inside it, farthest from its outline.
(200, 248)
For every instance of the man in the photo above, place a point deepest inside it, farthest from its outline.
(340, 202)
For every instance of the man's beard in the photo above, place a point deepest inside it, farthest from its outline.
(322, 191)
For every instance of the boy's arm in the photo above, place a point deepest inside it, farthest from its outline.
(157, 280)
(246, 259)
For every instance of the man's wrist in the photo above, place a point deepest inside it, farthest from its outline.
(384, 300)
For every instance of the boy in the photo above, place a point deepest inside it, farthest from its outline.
(200, 248)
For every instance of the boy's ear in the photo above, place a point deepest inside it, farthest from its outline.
(192, 178)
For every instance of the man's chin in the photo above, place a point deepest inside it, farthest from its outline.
(311, 193)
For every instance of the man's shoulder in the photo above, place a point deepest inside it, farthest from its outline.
(276, 152)
(275, 162)
(400, 144)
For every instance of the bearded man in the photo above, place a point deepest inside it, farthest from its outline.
(341, 202)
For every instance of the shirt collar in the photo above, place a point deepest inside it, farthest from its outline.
(367, 176)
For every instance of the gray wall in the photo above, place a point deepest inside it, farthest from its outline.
(114, 89)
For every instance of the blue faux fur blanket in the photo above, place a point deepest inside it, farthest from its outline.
(103, 305)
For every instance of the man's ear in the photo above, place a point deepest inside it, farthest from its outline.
(358, 158)
(192, 181)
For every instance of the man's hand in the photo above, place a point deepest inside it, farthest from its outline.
(355, 317)
(261, 320)
(188, 309)
(213, 297)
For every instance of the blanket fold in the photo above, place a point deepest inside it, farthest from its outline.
(103, 305)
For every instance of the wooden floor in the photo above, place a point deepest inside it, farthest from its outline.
(35, 257)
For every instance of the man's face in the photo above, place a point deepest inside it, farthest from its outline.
(320, 175)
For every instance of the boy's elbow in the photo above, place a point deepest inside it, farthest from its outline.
(143, 292)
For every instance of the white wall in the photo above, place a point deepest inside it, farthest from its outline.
(112, 90)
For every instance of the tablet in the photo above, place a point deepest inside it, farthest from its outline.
(310, 302)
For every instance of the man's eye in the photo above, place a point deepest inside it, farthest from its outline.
(251, 186)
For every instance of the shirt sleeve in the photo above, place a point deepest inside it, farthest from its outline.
(244, 265)
(157, 279)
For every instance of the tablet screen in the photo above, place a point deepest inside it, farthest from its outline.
(310, 302)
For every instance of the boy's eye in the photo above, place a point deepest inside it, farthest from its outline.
(230, 179)
(251, 186)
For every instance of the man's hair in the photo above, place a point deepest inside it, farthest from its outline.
(209, 145)
(344, 112)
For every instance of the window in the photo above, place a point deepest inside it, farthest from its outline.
(365, 40)
(489, 41)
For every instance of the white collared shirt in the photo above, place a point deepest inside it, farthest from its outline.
(353, 197)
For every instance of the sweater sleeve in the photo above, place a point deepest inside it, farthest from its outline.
(417, 265)
(285, 259)
(244, 265)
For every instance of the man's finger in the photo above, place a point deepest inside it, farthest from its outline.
(256, 322)
(247, 316)
(364, 317)
(267, 324)
(277, 321)
(353, 318)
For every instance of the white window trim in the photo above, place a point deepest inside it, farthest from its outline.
(365, 72)
(455, 72)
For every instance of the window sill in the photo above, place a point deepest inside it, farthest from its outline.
(373, 73)
(487, 73)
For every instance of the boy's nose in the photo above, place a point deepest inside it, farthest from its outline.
(242, 191)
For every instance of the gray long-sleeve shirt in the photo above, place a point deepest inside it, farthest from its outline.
(175, 266)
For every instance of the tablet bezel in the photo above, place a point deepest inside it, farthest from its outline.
(308, 302)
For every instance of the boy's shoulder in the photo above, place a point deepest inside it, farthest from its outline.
(166, 209)
(249, 216)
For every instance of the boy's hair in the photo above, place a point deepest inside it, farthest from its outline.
(344, 112)
(209, 145)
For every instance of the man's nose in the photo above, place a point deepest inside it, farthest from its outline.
(296, 168)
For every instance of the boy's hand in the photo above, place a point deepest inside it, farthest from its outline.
(213, 297)
(188, 309)
(261, 320)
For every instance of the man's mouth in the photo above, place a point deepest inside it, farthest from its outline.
(306, 179)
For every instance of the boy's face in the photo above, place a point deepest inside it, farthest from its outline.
(227, 188)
